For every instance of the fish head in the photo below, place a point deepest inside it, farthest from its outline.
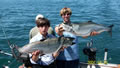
(66, 41)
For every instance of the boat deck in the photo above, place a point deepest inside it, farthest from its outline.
(101, 65)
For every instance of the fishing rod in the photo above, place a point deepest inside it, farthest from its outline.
(6, 37)
(4, 32)
(12, 46)
(5, 53)
(9, 44)
(14, 49)
(8, 41)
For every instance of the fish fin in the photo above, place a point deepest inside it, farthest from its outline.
(111, 26)
(59, 39)
(90, 21)
(110, 31)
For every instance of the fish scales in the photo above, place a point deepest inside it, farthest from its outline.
(84, 29)
(47, 46)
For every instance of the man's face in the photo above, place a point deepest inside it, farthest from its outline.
(43, 30)
(66, 17)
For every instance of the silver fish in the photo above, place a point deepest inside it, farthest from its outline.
(84, 29)
(47, 46)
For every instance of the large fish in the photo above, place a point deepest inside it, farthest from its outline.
(47, 46)
(84, 29)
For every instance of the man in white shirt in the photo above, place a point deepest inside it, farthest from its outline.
(44, 61)
(43, 25)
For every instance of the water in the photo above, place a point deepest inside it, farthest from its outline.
(18, 17)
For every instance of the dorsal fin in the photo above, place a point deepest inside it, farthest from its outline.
(90, 21)
(111, 26)
(110, 32)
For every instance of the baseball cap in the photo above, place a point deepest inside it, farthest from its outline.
(39, 16)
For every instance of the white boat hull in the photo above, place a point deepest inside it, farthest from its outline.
(101, 65)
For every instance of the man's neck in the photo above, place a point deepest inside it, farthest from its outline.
(44, 35)
(67, 23)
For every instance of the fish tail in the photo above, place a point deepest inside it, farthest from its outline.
(15, 51)
(17, 55)
(110, 31)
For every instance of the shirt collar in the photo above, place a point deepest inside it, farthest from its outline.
(66, 23)
(42, 37)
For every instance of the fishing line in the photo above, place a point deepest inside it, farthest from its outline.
(6, 37)
(4, 30)
(8, 41)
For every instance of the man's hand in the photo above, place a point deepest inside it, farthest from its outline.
(62, 48)
(59, 30)
(92, 34)
(35, 55)
(22, 66)
(55, 54)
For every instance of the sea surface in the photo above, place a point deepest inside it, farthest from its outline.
(17, 17)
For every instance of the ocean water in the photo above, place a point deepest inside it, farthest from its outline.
(18, 17)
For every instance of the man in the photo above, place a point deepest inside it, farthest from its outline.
(43, 25)
(42, 61)
(69, 58)
(35, 30)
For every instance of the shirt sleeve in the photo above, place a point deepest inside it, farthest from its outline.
(30, 56)
(44, 60)
(34, 39)
(47, 59)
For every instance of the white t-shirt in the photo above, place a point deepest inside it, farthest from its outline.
(45, 59)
